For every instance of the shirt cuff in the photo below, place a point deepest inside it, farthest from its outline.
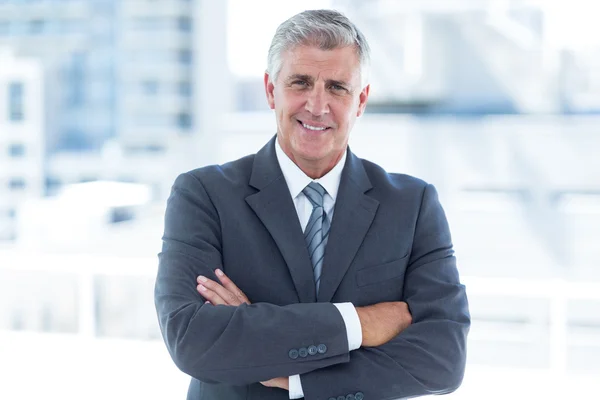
(352, 322)
(295, 385)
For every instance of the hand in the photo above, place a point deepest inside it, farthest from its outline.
(226, 293)
(383, 321)
(281, 383)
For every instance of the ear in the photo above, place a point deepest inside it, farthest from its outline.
(362, 100)
(269, 88)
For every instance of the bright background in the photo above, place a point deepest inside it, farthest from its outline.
(103, 103)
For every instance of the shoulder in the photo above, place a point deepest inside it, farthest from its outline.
(413, 195)
(221, 177)
(390, 181)
(232, 171)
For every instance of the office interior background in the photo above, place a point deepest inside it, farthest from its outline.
(104, 102)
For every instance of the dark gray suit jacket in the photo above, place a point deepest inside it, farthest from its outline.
(389, 241)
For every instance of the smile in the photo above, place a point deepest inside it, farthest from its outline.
(312, 127)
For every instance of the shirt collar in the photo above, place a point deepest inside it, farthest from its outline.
(297, 180)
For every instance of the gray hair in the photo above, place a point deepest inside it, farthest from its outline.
(325, 29)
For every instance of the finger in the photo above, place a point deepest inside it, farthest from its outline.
(276, 382)
(232, 287)
(210, 295)
(229, 298)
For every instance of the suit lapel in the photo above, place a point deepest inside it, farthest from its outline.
(353, 214)
(274, 207)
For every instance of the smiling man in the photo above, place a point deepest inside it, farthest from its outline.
(317, 95)
(303, 270)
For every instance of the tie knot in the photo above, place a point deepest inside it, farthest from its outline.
(314, 192)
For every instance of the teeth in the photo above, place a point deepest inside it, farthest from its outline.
(313, 128)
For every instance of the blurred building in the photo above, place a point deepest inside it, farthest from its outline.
(120, 86)
(114, 68)
(21, 136)
(459, 57)
(77, 45)
(125, 69)
(156, 61)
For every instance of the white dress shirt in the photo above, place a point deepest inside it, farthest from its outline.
(296, 181)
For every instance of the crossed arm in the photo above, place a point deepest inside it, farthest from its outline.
(379, 323)
(226, 344)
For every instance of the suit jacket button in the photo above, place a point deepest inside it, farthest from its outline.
(303, 352)
(312, 350)
(322, 349)
(359, 396)
(350, 397)
(332, 398)
(293, 354)
(341, 398)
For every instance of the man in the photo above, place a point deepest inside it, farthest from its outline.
(291, 273)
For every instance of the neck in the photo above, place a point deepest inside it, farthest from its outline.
(316, 169)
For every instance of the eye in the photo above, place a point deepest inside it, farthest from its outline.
(338, 88)
(299, 83)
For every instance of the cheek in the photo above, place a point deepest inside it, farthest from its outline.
(294, 104)
(345, 114)
(288, 101)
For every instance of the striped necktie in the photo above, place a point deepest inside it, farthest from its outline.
(317, 229)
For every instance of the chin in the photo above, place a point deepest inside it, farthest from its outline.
(312, 151)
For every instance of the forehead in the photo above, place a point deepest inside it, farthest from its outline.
(341, 63)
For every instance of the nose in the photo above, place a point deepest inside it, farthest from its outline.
(317, 103)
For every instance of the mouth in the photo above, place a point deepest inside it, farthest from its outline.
(313, 127)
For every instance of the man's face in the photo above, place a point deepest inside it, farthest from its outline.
(316, 97)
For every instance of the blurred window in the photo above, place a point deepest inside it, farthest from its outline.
(185, 57)
(150, 87)
(71, 26)
(144, 149)
(17, 184)
(121, 214)
(37, 26)
(152, 56)
(98, 91)
(185, 89)
(15, 101)
(184, 121)
(150, 119)
(184, 24)
(85, 179)
(149, 23)
(74, 138)
(53, 184)
(16, 150)
(4, 27)
(154, 148)
(76, 78)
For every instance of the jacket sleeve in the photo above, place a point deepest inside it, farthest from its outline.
(226, 344)
(429, 356)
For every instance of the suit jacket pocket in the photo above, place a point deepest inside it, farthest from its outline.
(380, 273)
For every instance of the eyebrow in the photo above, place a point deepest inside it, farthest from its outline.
(310, 79)
(302, 77)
